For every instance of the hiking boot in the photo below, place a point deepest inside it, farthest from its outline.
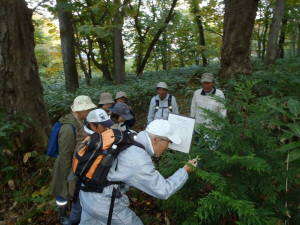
(63, 216)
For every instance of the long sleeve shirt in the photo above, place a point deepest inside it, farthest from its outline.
(163, 110)
(200, 100)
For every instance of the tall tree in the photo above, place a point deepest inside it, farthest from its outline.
(282, 37)
(99, 19)
(266, 26)
(298, 47)
(162, 24)
(156, 38)
(196, 11)
(65, 19)
(274, 32)
(238, 25)
(119, 60)
(21, 91)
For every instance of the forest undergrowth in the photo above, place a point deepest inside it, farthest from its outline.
(242, 182)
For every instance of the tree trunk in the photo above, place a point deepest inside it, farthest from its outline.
(21, 91)
(196, 11)
(258, 42)
(104, 66)
(82, 64)
(298, 47)
(119, 61)
(293, 42)
(155, 39)
(67, 46)
(266, 26)
(238, 25)
(264, 40)
(164, 50)
(274, 32)
(282, 38)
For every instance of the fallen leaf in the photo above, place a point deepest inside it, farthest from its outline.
(26, 157)
(11, 184)
(134, 199)
(167, 220)
(13, 206)
(18, 142)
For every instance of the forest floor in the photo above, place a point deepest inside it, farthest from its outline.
(145, 206)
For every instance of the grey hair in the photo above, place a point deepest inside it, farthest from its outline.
(154, 136)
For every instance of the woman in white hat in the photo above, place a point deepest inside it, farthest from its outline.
(66, 144)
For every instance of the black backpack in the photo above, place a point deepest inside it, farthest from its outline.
(93, 160)
(169, 105)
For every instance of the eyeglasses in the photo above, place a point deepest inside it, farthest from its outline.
(170, 142)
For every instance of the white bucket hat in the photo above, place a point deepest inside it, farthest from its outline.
(82, 103)
(163, 128)
(105, 98)
(161, 85)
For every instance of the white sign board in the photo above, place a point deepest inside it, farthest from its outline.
(183, 127)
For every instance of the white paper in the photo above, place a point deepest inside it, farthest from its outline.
(183, 127)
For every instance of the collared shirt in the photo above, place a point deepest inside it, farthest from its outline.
(201, 100)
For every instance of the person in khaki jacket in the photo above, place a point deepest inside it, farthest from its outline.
(66, 144)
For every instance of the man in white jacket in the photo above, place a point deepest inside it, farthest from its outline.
(205, 98)
(135, 168)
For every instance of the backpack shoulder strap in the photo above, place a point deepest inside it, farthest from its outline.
(156, 106)
(170, 103)
(73, 127)
(139, 145)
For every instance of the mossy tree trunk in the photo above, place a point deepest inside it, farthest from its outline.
(21, 91)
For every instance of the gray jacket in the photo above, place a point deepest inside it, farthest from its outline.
(162, 113)
(135, 168)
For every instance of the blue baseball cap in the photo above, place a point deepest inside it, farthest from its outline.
(123, 110)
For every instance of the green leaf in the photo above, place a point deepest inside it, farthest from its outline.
(295, 128)
(278, 123)
(286, 135)
(96, 9)
(85, 29)
(295, 154)
(9, 168)
(294, 107)
(100, 31)
(290, 115)
(290, 146)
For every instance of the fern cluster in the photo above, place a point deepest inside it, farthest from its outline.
(243, 180)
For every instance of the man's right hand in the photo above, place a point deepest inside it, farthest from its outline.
(193, 165)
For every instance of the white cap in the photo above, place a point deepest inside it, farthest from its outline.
(99, 116)
(162, 85)
(163, 128)
(82, 103)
